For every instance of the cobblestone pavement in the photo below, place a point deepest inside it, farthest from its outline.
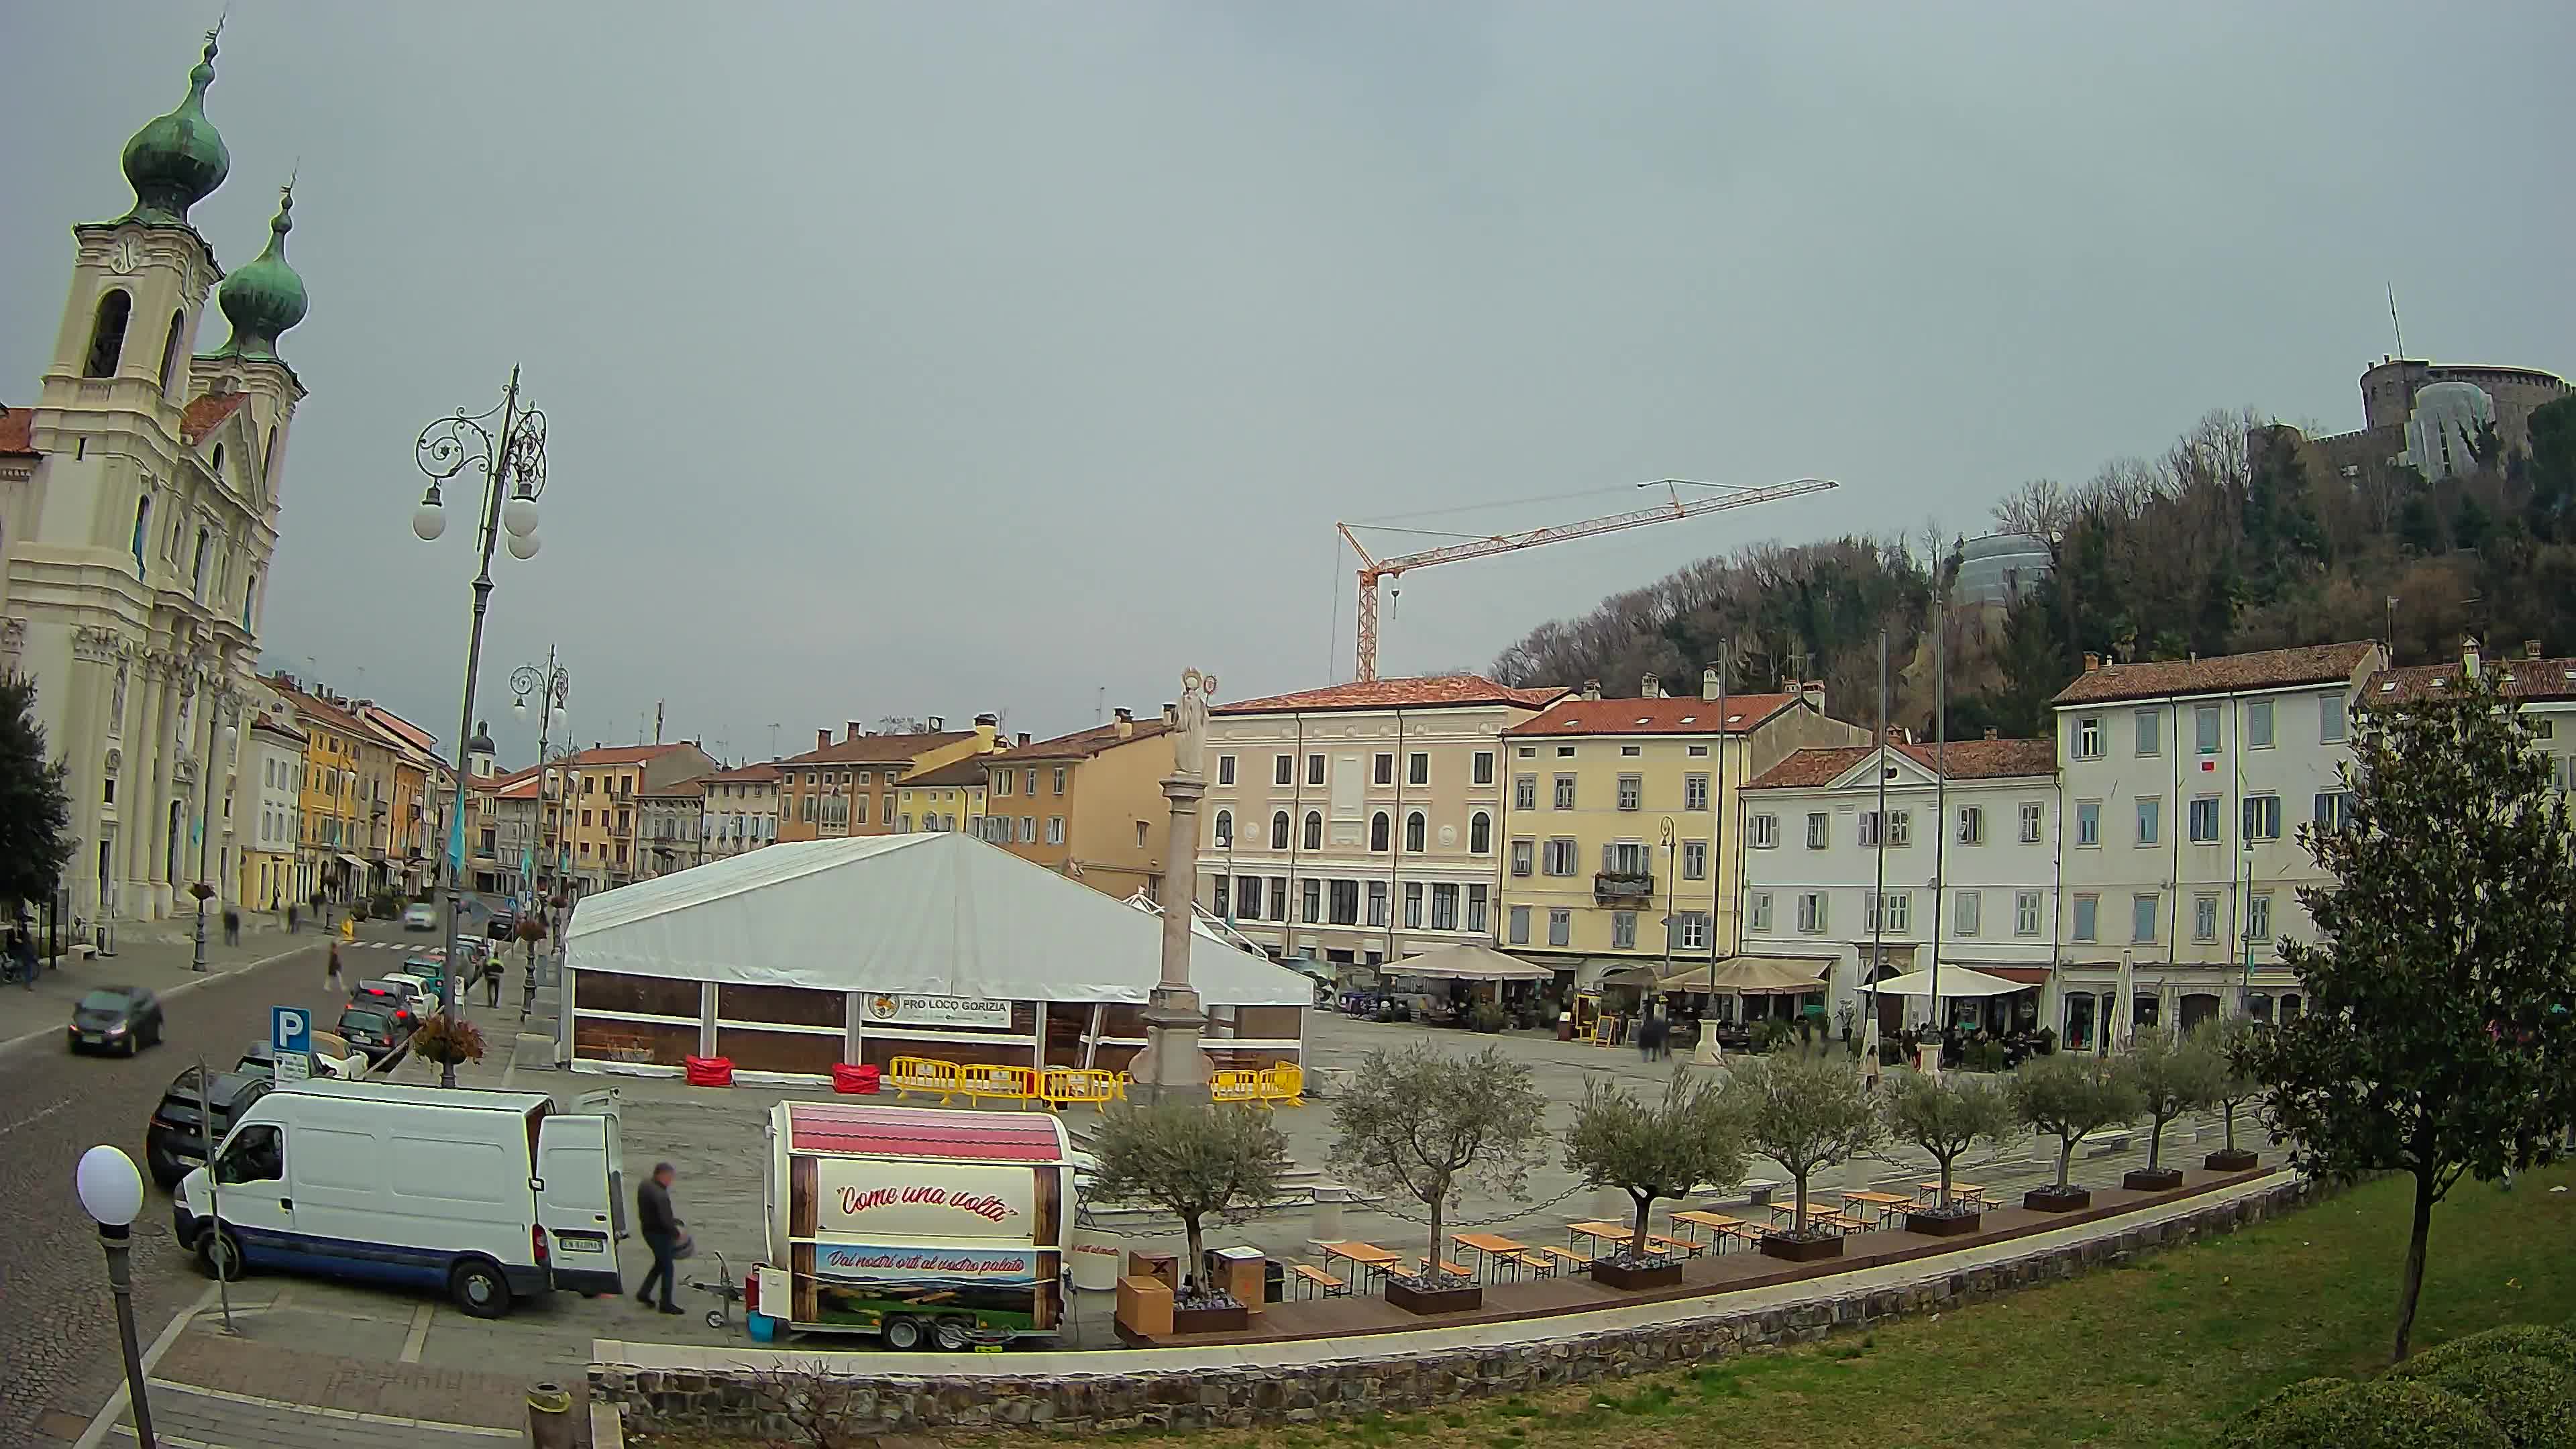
(58, 1337)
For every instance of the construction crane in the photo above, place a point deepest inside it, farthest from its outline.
(1373, 569)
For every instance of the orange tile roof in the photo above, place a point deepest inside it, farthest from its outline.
(2548, 679)
(207, 413)
(17, 432)
(2264, 669)
(522, 788)
(1432, 691)
(1692, 716)
(746, 774)
(622, 754)
(966, 772)
(1083, 744)
(306, 702)
(1964, 760)
(877, 749)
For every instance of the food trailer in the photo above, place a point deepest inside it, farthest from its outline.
(924, 1227)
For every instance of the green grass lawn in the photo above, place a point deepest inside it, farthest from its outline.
(2152, 1356)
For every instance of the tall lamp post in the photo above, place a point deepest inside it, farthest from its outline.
(552, 686)
(513, 464)
(206, 827)
(111, 1192)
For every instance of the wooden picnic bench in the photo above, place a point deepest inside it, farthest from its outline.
(1324, 1284)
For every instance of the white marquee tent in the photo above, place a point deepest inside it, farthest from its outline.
(942, 915)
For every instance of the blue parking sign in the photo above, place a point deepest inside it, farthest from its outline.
(290, 1037)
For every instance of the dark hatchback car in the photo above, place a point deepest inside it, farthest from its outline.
(393, 998)
(176, 1140)
(116, 1019)
(373, 1031)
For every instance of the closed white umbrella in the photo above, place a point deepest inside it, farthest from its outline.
(2123, 1012)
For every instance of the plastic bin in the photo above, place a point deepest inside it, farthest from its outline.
(856, 1079)
(710, 1071)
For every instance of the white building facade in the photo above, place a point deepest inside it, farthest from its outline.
(268, 813)
(1964, 868)
(740, 810)
(1360, 823)
(138, 513)
(2184, 785)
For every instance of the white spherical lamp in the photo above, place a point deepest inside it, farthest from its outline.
(111, 1191)
(429, 520)
(519, 515)
(524, 545)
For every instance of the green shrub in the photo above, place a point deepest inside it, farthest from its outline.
(2520, 1340)
(1983, 1056)
(2384, 1413)
(1488, 1016)
(2532, 1400)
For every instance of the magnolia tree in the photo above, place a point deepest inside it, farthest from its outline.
(1655, 1150)
(1945, 1116)
(2436, 1043)
(2172, 1075)
(1194, 1162)
(2071, 1097)
(1804, 1113)
(1430, 1125)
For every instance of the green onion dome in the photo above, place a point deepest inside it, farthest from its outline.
(266, 297)
(179, 159)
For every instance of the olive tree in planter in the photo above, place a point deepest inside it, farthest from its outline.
(1804, 1113)
(2173, 1075)
(2229, 1041)
(2070, 1097)
(1945, 1116)
(1429, 1125)
(1194, 1162)
(1653, 1151)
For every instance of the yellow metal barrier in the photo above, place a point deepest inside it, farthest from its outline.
(1284, 1082)
(1059, 1087)
(925, 1075)
(979, 1080)
(1235, 1086)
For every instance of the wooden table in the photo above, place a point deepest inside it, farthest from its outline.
(1495, 1247)
(1888, 1204)
(1615, 1233)
(1720, 1227)
(1968, 1190)
(1372, 1260)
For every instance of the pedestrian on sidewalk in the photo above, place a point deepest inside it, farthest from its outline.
(332, 976)
(322, 910)
(232, 926)
(661, 1229)
(22, 956)
(292, 924)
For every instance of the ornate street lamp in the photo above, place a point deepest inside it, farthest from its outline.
(111, 1192)
(552, 686)
(507, 445)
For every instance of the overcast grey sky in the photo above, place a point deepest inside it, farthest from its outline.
(937, 358)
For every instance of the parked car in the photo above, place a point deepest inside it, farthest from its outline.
(398, 1000)
(176, 1139)
(373, 1031)
(422, 917)
(329, 1056)
(116, 1018)
(504, 922)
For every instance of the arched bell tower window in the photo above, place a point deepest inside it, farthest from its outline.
(219, 463)
(170, 351)
(197, 574)
(107, 334)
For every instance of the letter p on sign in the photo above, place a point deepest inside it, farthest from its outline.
(290, 1038)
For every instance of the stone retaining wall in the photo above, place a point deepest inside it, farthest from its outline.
(756, 1402)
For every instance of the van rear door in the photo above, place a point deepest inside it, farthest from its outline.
(573, 1204)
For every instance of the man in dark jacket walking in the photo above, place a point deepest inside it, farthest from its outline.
(661, 1229)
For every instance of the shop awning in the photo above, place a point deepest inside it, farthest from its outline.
(1955, 981)
(1468, 962)
(2025, 975)
(1754, 976)
(353, 862)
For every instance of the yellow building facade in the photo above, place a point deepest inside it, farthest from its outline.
(1619, 848)
(329, 858)
(849, 788)
(945, 797)
(1088, 805)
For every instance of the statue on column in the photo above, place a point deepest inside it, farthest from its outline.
(1189, 740)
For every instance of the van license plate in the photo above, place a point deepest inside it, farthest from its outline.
(584, 1243)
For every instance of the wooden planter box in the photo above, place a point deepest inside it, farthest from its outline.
(1233, 1318)
(2050, 1200)
(1611, 1273)
(2152, 1179)
(1801, 1250)
(1455, 1298)
(2237, 1160)
(1943, 1225)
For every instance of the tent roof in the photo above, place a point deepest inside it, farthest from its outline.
(1955, 981)
(1754, 976)
(1468, 961)
(940, 914)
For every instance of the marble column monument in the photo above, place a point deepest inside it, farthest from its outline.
(1172, 1068)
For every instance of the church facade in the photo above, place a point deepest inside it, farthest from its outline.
(140, 496)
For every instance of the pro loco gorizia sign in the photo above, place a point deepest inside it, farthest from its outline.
(960, 1011)
(896, 1200)
(870, 1264)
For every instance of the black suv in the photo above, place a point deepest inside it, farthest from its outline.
(176, 1141)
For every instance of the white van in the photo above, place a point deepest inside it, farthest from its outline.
(490, 1196)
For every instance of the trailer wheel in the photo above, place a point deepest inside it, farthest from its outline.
(952, 1334)
(902, 1334)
